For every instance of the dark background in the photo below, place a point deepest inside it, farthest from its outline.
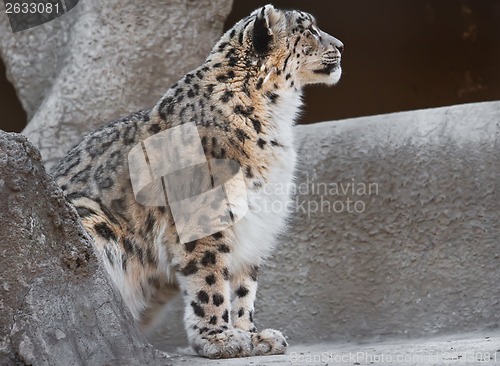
(399, 55)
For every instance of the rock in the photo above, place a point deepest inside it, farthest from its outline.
(57, 306)
(100, 62)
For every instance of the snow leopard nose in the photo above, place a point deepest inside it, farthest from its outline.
(337, 44)
(331, 41)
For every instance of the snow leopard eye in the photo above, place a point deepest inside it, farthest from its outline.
(314, 31)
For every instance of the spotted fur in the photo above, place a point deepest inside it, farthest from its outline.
(244, 100)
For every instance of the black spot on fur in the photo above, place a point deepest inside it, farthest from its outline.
(254, 273)
(257, 126)
(217, 236)
(250, 316)
(261, 143)
(241, 291)
(225, 273)
(124, 262)
(259, 83)
(296, 43)
(241, 135)
(150, 222)
(214, 332)
(286, 61)
(84, 211)
(102, 180)
(114, 160)
(275, 143)
(204, 143)
(222, 46)
(210, 279)
(222, 153)
(101, 140)
(190, 268)
(198, 310)
(232, 61)
(166, 107)
(208, 258)
(129, 134)
(128, 246)
(226, 97)
(213, 319)
(273, 97)
(241, 312)
(103, 230)
(244, 111)
(109, 256)
(72, 159)
(210, 88)
(223, 248)
(107, 212)
(225, 77)
(217, 299)
(225, 316)
(203, 297)
(248, 172)
(191, 245)
(154, 128)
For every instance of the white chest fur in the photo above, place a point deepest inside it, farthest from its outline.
(268, 206)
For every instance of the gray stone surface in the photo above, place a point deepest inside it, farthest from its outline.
(457, 350)
(101, 61)
(57, 306)
(423, 256)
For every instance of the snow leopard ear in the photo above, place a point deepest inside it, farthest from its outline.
(262, 29)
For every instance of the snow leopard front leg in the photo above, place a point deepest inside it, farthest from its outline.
(205, 282)
(244, 291)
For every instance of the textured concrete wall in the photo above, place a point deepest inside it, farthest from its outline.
(423, 256)
(103, 60)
